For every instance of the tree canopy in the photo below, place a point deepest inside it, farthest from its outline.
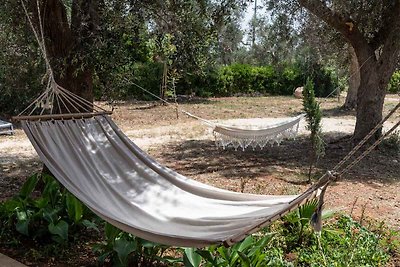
(97, 47)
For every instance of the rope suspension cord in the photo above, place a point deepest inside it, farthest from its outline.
(171, 104)
(364, 140)
(54, 95)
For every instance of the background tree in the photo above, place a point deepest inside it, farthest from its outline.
(313, 117)
(70, 32)
(372, 29)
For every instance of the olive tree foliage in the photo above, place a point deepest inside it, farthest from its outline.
(277, 39)
(95, 46)
(230, 38)
(20, 67)
(372, 28)
(199, 28)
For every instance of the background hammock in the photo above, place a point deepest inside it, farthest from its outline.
(243, 136)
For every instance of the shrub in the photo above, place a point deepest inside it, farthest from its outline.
(394, 83)
(246, 79)
(54, 214)
(314, 117)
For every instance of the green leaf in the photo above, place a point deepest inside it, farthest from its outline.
(147, 244)
(22, 226)
(90, 225)
(205, 254)
(22, 216)
(123, 248)
(245, 244)
(60, 229)
(52, 191)
(50, 214)
(327, 214)
(28, 186)
(41, 202)
(74, 207)
(191, 258)
(245, 260)
(103, 257)
(223, 252)
(111, 232)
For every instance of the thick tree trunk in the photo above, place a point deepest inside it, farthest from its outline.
(377, 67)
(354, 81)
(64, 46)
(64, 43)
(370, 99)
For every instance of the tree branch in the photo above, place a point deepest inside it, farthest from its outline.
(391, 20)
(391, 46)
(343, 24)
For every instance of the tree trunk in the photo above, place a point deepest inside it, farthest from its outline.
(64, 43)
(354, 81)
(370, 99)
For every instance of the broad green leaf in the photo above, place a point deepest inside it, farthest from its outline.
(52, 192)
(28, 186)
(223, 252)
(206, 255)
(147, 244)
(244, 259)
(123, 248)
(50, 214)
(9, 206)
(90, 225)
(60, 229)
(111, 232)
(22, 226)
(245, 244)
(74, 207)
(103, 257)
(41, 202)
(191, 258)
(22, 216)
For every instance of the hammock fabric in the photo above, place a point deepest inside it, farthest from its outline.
(251, 136)
(103, 168)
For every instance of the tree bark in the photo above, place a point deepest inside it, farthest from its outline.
(64, 43)
(65, 46)
(370, 99)
(354, 81)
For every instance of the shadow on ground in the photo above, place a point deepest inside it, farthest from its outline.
(196, 157)
(13, 173)
(337, 112)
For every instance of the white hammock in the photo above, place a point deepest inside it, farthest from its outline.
(96, 162)
(251, 136)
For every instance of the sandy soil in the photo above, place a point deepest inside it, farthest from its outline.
(186, 145)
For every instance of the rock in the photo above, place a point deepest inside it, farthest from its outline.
(298, 93)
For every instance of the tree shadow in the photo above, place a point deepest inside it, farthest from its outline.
(290, 160)
(14, 170)
(337, 112)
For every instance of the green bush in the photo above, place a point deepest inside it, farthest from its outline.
(54, 214)
(123, 249)
(394, 83)
(239, 79)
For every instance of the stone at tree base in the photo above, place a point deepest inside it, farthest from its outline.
(298, 93)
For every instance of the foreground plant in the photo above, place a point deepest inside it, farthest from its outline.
(53, 213)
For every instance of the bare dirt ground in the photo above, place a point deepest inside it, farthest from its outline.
(184, 144)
